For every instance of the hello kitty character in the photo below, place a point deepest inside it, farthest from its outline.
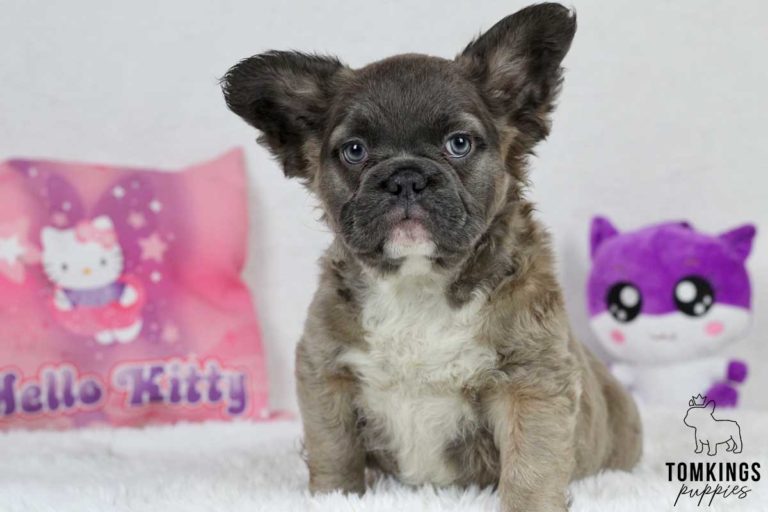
(664, 301)
(92, 296)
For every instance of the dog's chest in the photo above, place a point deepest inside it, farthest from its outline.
(419, 359)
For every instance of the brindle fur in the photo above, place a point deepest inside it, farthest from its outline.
(548, 412)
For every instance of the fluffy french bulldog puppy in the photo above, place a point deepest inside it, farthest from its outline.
(437, 347)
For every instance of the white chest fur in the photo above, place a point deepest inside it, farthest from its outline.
(419, 355)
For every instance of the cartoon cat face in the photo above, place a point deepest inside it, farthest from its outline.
(667, 293)
(87, 256)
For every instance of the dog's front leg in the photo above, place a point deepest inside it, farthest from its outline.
(535, 438)
(334, 453)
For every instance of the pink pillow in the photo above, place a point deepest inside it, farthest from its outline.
(120, 296)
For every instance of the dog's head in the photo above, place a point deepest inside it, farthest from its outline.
(411, 155)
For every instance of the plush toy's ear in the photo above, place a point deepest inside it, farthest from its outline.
(286, 96)
(601, 230)
(516, 65)
(740, 240)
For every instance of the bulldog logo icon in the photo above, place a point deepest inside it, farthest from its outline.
(709, 430)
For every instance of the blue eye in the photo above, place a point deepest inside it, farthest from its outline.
(458, 145)
(354, 153)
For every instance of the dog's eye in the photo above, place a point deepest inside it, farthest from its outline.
(354, 153)
(694, 296)
(458, 145)
(624, 301)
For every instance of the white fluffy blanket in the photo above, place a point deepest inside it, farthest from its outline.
(256, 467)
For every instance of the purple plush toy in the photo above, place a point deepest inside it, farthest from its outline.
(663, 300)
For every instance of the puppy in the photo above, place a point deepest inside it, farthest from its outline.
(437, 347)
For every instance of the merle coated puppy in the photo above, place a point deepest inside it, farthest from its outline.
(437, 347)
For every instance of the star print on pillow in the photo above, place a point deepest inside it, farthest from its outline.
(15, 250)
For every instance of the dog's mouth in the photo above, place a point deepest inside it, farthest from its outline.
(383, 230)
(409, 234)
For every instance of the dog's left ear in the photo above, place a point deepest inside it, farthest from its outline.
(516, 65)
(286, 96)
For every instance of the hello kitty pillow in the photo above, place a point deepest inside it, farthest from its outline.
(120, 296)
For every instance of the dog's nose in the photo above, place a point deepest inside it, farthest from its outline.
(406, 183)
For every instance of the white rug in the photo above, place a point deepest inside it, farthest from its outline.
(255, 467)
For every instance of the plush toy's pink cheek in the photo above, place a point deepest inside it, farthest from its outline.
(617, 336)
(714, 328)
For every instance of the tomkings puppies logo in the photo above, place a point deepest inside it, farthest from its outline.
(705, 481)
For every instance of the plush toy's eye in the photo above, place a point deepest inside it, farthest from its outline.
(694, 295)
(103, 262)
(354, 153)
(458, 145)
(624, 301)
(64, 267)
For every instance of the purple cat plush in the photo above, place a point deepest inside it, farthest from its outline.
(663, 300)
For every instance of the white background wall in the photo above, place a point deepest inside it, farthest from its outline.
(663, 116)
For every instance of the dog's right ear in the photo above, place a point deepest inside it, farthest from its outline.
(516, 63)
(286, 96)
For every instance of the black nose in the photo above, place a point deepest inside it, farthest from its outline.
(406, 183)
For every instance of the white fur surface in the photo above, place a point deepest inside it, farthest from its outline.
(247, 467)
(416, 365)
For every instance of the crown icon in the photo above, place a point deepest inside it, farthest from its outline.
(698, 401)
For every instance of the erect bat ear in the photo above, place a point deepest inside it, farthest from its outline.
(516, 65)
(286, 96)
